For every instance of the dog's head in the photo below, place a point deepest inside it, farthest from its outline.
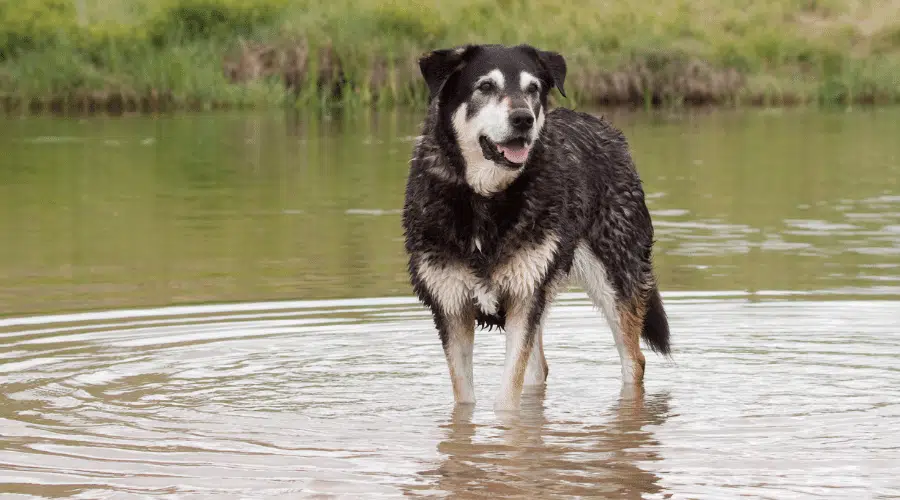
(494, 97)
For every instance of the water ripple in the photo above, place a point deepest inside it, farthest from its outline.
(772, 394)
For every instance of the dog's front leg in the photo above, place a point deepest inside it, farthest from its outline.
(457, 333)
(523, 322)
(447, 287)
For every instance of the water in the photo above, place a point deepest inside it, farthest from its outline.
(216, 305)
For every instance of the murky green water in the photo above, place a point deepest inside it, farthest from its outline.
(313, 373)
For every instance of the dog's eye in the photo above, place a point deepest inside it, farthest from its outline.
(532, 88)
(486, 86)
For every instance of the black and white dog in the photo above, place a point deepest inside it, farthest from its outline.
(507, 202)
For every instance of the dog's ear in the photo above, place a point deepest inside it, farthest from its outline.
(553, 63)
(437, 66)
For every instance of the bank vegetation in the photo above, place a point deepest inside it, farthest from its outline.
(133, 55)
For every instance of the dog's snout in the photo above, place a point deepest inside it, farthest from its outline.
(521, 119)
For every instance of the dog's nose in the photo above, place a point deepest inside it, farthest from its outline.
(521, 119)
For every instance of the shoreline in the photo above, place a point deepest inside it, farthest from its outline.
(682, 84)
(149, 105)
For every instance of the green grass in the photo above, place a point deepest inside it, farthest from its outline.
(208, 53)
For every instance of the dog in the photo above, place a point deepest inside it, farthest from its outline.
(507, 203)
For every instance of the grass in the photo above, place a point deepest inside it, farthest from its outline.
(143, 54)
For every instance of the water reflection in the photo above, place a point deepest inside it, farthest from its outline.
(530, 453)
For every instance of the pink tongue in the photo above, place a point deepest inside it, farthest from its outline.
(514, 154)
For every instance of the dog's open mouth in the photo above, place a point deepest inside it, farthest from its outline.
(512, 153)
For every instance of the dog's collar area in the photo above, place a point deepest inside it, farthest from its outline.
(492, 152)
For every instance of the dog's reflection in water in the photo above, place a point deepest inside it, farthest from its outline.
(527, 456)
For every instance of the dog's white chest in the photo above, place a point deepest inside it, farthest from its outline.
(454, 284)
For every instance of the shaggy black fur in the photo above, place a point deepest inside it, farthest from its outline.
(579, 183)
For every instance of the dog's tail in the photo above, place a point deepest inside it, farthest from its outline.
(656, 324)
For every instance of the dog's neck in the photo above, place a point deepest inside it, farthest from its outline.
(486, 177)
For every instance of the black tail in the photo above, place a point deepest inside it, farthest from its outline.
(656, 324)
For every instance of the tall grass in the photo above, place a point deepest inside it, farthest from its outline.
(205, 53)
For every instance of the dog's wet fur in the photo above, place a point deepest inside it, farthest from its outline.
(507, 203)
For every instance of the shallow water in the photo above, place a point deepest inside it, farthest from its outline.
(313, 373)
(769, 396)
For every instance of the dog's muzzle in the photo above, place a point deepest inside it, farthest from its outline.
(512, 153)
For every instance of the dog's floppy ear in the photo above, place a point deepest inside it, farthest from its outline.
(555, 65)
(437, 66)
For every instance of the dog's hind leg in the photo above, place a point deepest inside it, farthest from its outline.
(625, 319)
(629, 319)
(537, 370)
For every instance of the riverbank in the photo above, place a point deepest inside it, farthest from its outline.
(136, 55)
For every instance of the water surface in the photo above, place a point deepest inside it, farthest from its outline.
(217, 305)
(122, 212)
